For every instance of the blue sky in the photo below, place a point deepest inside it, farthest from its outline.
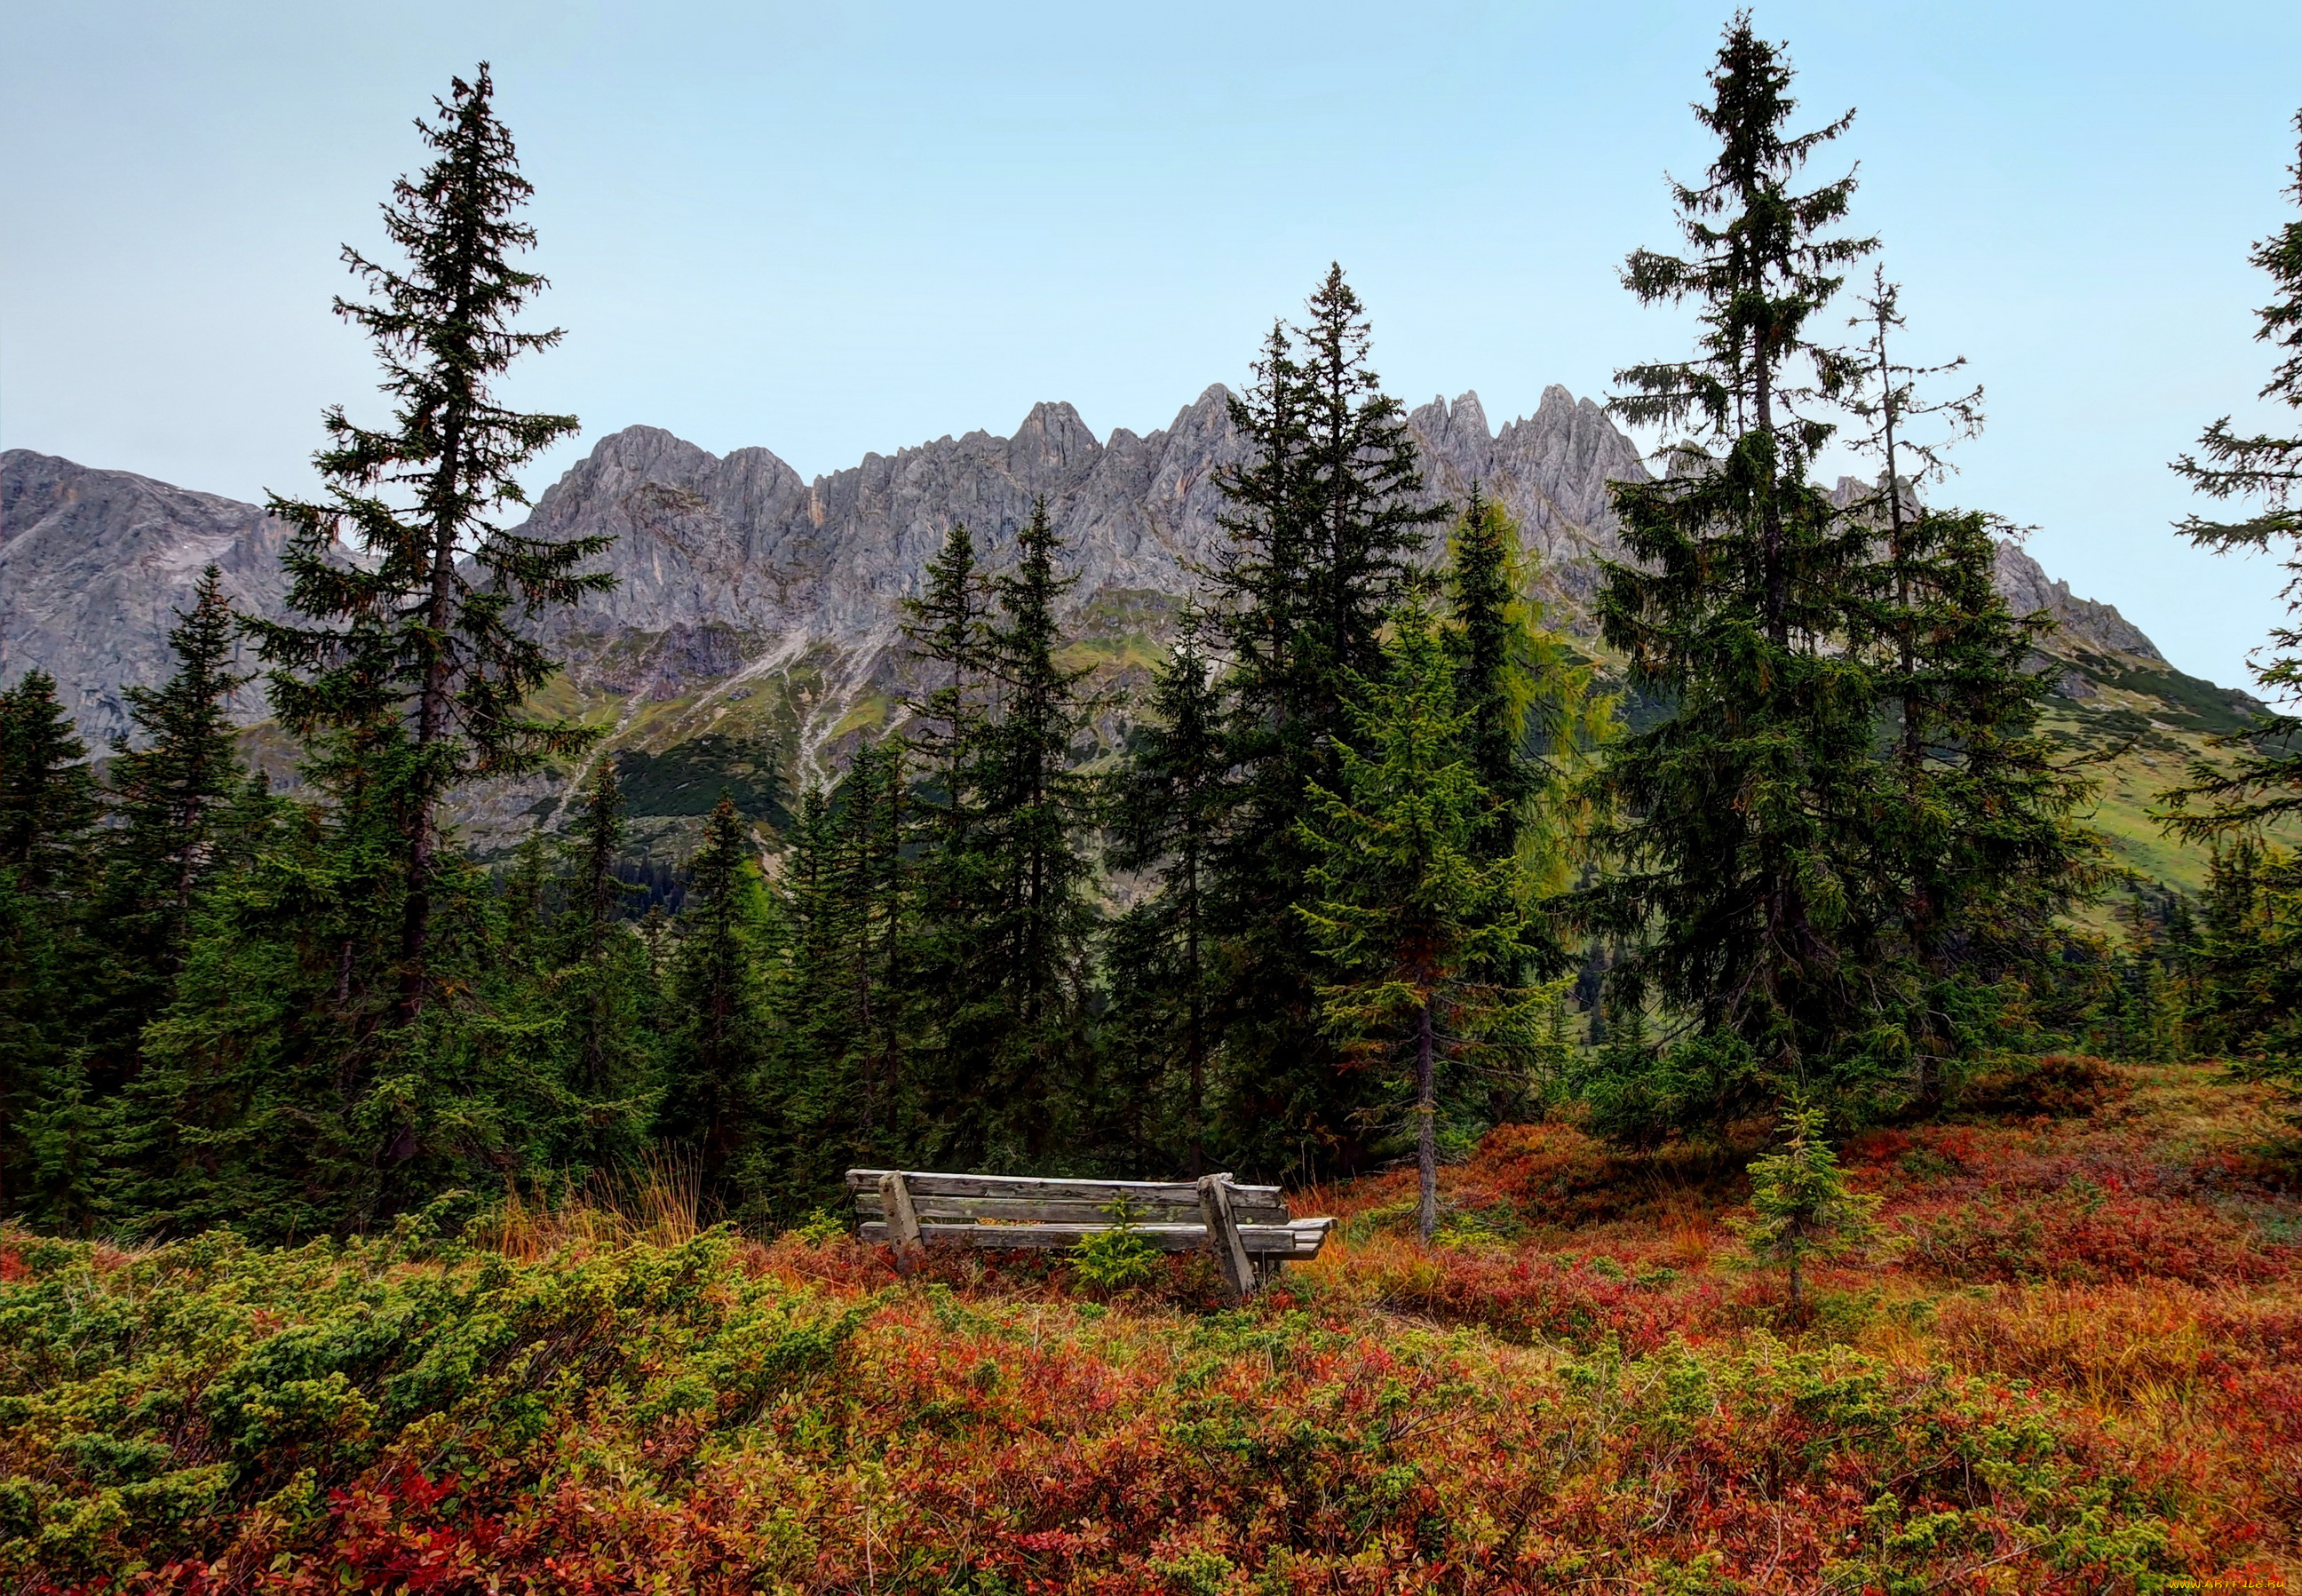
(835, 228)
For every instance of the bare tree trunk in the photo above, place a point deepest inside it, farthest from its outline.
(1193, 1043)
(431, 726)
(1426, 1127)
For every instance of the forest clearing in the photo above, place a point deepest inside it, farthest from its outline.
(2066, 1364)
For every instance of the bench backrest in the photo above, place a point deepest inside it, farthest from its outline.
(1028, 1198)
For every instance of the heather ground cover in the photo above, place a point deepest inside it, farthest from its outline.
(2070, 1365)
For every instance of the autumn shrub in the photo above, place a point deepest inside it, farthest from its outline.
(2061, 1085)
(2111, 1344)
(2087, 1234)
(1119, 1259)
(1552, 1173)
(2075, 1366)
(1521, 1181)
(212, 1417)
(1579, 1302)
(146, 1408)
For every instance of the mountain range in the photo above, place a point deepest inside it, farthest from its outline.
(753, 633)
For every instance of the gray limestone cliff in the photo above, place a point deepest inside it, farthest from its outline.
(94, 565)
(731, 568)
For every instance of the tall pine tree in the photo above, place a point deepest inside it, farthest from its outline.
(1976, 841)
(173, 787)
(47, 811)
(1744, 838)
(1037, 811)
(601, 986)
(2261, 779)
(712, 1075)
(1325, 515)
(412, 655)
(1168, 803)
(1411, 906)
(47, 790)
(1535, 725)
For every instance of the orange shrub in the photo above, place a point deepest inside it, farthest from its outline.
(2088, 1237)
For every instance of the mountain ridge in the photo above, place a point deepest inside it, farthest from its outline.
(757, 607)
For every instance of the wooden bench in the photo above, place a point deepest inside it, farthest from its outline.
(1246, 1228)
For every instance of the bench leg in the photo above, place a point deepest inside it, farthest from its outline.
(902, 1220)
(1223, 1238)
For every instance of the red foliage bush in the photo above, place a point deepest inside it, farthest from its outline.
(2087, 1236)
(1553, 1174)
(1530, 1299)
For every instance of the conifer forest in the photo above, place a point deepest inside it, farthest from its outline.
(1777, 1139)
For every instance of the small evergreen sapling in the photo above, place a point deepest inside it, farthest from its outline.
(1801, 1206)
(1119, 1258)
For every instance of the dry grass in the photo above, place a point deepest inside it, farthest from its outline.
(658, 1202)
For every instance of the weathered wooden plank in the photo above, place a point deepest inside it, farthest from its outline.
(1222, 1235)
(930, 1183)
(1279, 1240)
(870, 1207)
(1310, 1235)
(903, 1224)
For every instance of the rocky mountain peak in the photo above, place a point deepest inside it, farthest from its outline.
(728, 565)
(95, 564)
(1051, 443)
(2083, 621)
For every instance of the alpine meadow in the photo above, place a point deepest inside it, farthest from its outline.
(1320, 1000)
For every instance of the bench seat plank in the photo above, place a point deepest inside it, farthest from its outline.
(1180, 1194)
(1077, 1212)
(1299, 1238)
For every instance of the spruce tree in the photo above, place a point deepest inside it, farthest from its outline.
(1168, 804)
(836, 1092)
(603, 989)
(814, 1099)
(411, 660)
(1890, 404)
(594, 894)
(872, 818)
(172, 787)
(2248, 956)
(51, 978)
(1744, 838)
(47, 790)
(712, 1075)
(947, 628)
(1326, 516)
(1536, 724)
(1410, 907)
(1977, 843)
(241, 1113)
(1037, 810)
(1538, 721)
(2261, 781)
(1802, 1208)
(1489, 646)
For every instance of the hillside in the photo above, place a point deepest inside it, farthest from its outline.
(754, 636)
(2067, 1366)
